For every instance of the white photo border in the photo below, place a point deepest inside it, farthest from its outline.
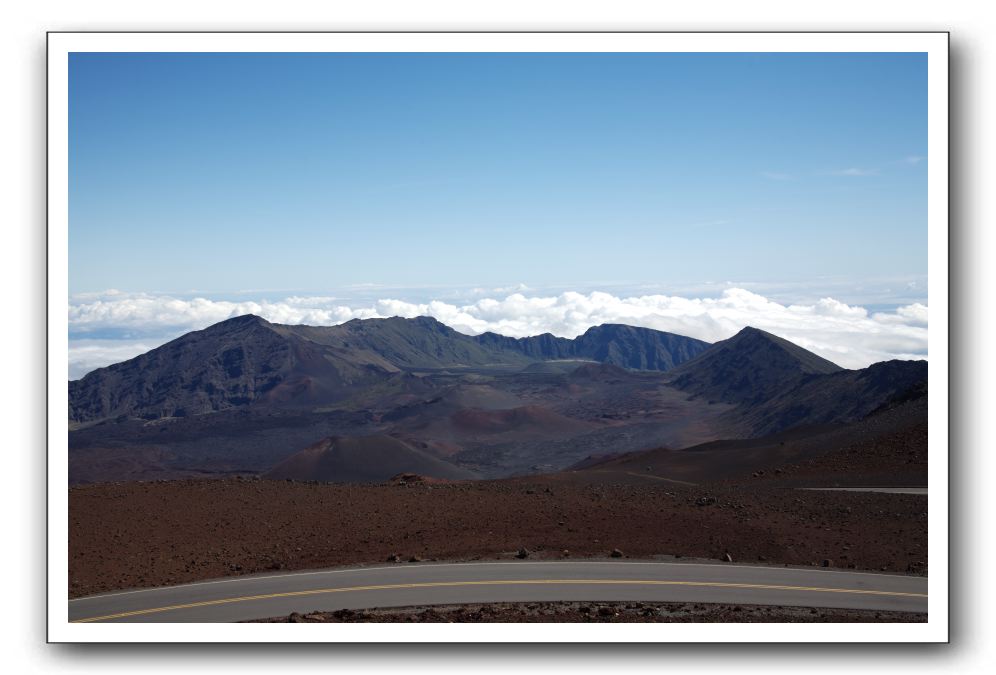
(61, 44)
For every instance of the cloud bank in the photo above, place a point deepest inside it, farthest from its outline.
(846, 334)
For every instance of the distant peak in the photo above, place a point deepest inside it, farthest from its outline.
(751, 331)
(752, 338)
(430, 320)
(426, 322)
(244, 320)
(606, 327)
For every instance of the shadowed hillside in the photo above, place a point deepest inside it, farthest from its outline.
(250, 361)
(749, 367)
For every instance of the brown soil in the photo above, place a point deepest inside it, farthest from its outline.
(142, 534)
(605, 612)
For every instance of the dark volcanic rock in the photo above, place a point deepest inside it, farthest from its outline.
(239, 362)
(247, 361)
(750, 367)
(201, 371)
(886, 448)
(778, 385)
(616, 344)
(843, 396)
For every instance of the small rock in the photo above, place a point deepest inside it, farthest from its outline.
(295, 618)
(616, 553)
(394, 557)
(727, 557)
(414, 558)
(705, 501)
(522, 553)
(565, 553)
(827, 562)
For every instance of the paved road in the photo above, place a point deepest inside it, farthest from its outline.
(253, 597)
(888, 490)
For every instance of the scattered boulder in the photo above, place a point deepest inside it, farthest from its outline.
(616, 553)
(522, 553)
(565, 553)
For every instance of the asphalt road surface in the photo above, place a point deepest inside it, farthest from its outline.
(256, 597)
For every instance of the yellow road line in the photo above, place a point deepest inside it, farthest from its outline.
(509, 582)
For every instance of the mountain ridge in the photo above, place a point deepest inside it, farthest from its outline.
(617, 344)
(247, 360)
(246, 394)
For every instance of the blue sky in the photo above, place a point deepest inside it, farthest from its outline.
(219, 173)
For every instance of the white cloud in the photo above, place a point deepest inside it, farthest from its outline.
(855, 171)
(846, 334)
(86, 355)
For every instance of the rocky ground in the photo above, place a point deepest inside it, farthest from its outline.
(142, 534)
(605, 612)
